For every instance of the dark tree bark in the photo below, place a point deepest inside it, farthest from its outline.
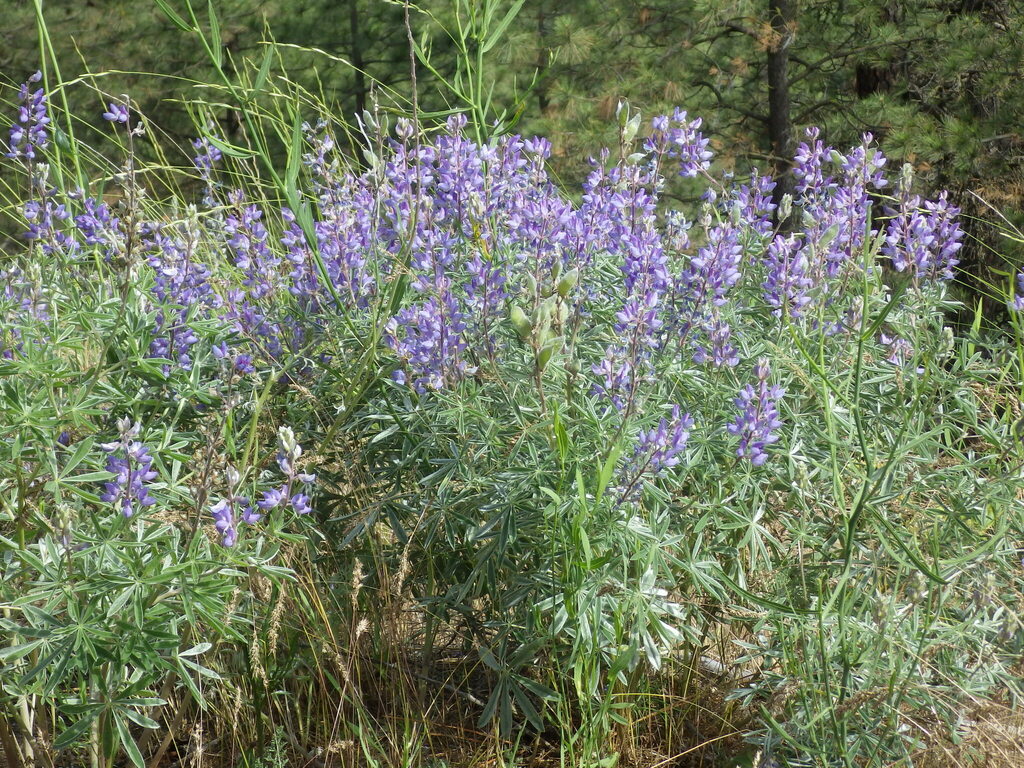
(782, 15)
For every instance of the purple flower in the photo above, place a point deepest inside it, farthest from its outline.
(843, 219)
(300, 503)
(485, 296)
(657, 450)
(100, 227)
(812, 184)
(898, 350)
(116, 113)
(208, 155)
(272, 498)
(662, 446)
(787, 282)
(427, 337)
(702, 291)
(758, 419)
(248, 241)
(836, 209)
(1016, 304)
(679, 139)
(923, 239)
(29, 134)
(131, 464)
(289, 452)
(45, 213)
(224, 521)
(754, 203)
(227, 511)
(243, 364)
(626, 197)
(249, 515)
(181, 288)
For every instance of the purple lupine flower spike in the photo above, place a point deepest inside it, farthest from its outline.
(224, 521)
(788, 281)
(29, 134)
(923, 238)
(289, 452)
(758, 420)
(663, 445)
(703, 288)
(657, 450)
(130, 461)
(680, 139)
(227, 512)
(208, 155)
(181, 287)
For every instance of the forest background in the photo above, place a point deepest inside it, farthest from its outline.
(939, 83)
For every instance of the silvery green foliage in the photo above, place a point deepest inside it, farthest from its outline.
(595, 429)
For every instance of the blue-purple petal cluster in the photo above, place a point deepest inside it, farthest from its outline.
(29, 135)
(788, 282)
(295, 492)
(1016, 304)
(758, 420)
(129, 460)
(679, 138)
(230, 510)
(657, 450)
(660, 448)
(923, 238)
(116, 113)
(702, 291)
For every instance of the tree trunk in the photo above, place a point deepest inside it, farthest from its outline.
(782, 15)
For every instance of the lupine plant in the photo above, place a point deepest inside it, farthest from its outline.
(586, 437)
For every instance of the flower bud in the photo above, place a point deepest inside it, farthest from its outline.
(286, 440)
(785, 207)
(544, 357)
(562, 313)
(948, 342)
(521, 323)
(568, 282)
(906, 176)
(631, 128)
